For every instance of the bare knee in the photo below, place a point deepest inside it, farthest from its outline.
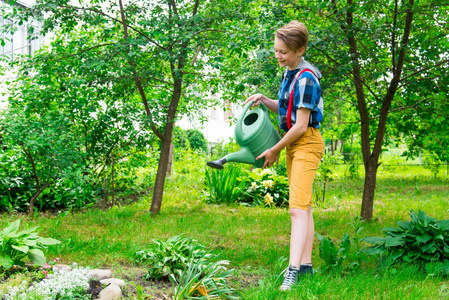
(297, 213)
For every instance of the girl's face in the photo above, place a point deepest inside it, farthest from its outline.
(285, 56)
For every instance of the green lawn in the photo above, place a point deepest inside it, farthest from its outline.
(255, 239)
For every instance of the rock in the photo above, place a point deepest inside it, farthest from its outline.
(101, 274)
(111, 292)
(59, 267)
(115, 281)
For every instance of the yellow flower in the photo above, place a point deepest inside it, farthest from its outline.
(268, 199)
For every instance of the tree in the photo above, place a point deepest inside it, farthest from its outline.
(382, 47)
(164, 48)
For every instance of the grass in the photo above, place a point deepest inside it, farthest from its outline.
(255, 239)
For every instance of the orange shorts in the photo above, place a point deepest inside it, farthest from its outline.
(303, 157)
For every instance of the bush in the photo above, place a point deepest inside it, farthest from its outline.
(422, 240)
(16, 246)
(170, 258)
(265, 188)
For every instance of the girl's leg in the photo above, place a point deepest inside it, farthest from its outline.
(307, 255)
(299, 239)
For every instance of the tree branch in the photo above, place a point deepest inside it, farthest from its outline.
(424, 69)
(393, 36)
(117, 20)
(136, 77)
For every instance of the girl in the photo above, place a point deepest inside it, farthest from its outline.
(300, 110)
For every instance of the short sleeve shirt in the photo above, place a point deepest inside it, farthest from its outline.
(307, 93)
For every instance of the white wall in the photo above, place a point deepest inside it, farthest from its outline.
(17, 44)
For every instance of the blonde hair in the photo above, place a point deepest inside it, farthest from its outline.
(294, 35)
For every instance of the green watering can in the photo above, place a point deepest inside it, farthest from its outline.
(255, 134)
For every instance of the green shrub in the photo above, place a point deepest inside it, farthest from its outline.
(16, 246)
(224, 185)
(333, 258)
(199, 282)
(422, 240)
(264, 188)
(173, 256)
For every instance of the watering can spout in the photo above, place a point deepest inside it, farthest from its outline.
(243, 156)
(217, 164)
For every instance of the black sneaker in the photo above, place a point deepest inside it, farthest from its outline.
(306, 270)
(290, 278)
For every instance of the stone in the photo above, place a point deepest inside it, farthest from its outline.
(115, 281)
(101, 274)
(111, 292)
(59, 267)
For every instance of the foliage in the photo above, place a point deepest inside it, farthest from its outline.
(203, 282)
(63, 284)
(433, 163)
(16, 245)
(333, 258)
(421, 240)
(189, 138)
(223, 148)
(170, 258)
(224, 186)
(264, 188)
(324, 175)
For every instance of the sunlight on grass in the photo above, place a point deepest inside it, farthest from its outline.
(255, 239)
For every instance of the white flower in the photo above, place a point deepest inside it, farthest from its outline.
(62, 282)
(268, 183)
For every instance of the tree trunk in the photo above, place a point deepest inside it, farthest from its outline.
(33, 199)
(165, 150)
(369, 188)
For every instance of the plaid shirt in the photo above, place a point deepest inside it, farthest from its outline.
(307, 93)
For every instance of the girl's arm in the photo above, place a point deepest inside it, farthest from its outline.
(269, 103)
(297, 130)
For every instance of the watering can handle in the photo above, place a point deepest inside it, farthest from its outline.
(242, 115)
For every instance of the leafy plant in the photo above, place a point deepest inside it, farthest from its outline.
(422, 240)
(333, 257)
(265, 188)
(224, 186)
(324, 175)
(16, 245)
(203, 282)
(173, 256)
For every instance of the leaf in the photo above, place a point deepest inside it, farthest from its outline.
(444, 224)
(405, 225)
(394, 241)
(23, 249)
(426, 247)
(374, 250)
(423, 238)
(48, 241)
(37, 257)
(6, 262)
(446, 266)
(374, 240)
(13, 227)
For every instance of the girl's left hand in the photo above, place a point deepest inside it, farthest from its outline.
(270, 158)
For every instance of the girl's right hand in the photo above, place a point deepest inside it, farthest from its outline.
(256, 98)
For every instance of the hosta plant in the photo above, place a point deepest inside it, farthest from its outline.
(208, 281)
(16, 246)
(422, 240)
(173, 256)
